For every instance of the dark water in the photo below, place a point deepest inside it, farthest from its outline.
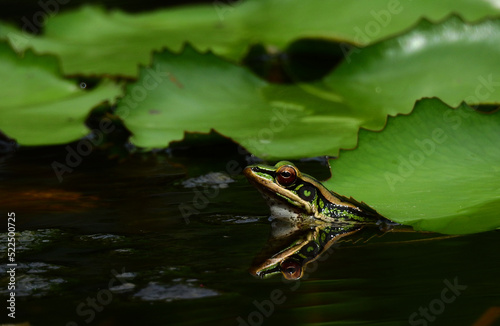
(110, 246)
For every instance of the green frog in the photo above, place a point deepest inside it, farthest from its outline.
(301, 199)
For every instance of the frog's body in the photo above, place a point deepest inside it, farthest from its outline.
(300, 198)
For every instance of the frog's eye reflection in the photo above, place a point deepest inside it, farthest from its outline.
(291, 269)
(286, 175)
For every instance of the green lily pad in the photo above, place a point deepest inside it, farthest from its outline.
(38, 106)
(357, 22)
(451, 60)
(199, 92)
(86, 39)
(437, 169)
(196, 92)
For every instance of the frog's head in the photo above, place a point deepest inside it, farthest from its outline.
(288, 192)
(300, 198)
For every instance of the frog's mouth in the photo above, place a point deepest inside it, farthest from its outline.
(283, 203)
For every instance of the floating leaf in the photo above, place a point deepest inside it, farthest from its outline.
(451, 60)
(91, 41)
(204, 92)
(197, 92)
(437, 169)
(38, 106)
(86, 39)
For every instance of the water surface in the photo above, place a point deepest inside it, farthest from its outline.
(110, 245)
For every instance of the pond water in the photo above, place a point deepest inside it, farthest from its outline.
(136, 240)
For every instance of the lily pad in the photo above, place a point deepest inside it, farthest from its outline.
(451, 60)
(358, 22)
(38, 106)
(196, 92)
(85, 39)
(437, 169)
(199, 92)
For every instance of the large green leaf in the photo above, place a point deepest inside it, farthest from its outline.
(38, 106)
(451, 60)
(92, 41)
(204, 92)
(197, 92)
(437, 169)
(360, 22)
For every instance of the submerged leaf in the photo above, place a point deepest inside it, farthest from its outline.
(38, 106)
(437, 169)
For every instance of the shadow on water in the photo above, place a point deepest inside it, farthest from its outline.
(157, 238)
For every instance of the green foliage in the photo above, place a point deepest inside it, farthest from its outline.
(38, 106)
(396, 53)
(197, 92)
(437, 169)
(452, 60)
(86, 39)
(293, 121)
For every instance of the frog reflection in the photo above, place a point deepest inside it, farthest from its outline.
(290, 249)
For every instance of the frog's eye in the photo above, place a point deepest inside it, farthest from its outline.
(291, 269)
(286, 175)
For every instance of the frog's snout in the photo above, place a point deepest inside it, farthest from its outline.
(248, 171)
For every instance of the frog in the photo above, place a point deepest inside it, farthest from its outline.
(299, 198)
